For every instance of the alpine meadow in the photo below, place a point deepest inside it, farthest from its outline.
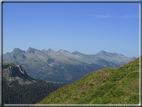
(106, 86)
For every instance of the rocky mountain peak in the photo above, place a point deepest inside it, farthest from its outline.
(76, 52)
(17, 50)
(17, 72)
(102, 52)
(50, 50)
(61, 50)
(31, 50)
(106, 54)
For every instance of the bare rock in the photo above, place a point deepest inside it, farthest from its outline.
(17, 72)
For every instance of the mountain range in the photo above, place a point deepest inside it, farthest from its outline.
(62, 66)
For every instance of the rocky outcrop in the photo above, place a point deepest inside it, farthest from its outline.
(16, 72)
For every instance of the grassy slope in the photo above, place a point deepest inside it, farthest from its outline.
(106, 86)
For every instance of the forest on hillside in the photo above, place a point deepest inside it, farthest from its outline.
(13, 93)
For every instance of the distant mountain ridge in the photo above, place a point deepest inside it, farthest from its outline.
(62, 66)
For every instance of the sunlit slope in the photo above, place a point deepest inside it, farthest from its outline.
(106, 86)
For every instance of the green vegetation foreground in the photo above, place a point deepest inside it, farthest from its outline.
(106, 86)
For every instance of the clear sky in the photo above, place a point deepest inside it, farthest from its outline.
(84, 27)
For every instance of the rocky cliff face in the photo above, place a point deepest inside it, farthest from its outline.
(16, 72)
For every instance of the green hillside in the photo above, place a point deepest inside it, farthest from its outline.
(106, 86)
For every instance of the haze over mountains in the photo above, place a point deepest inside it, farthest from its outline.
(62, 66)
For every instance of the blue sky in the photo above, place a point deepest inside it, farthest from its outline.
(84, 27)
